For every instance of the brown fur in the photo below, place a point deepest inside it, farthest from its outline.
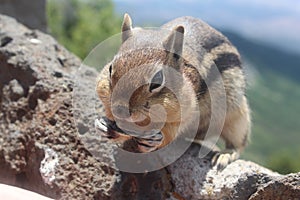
(200, 47)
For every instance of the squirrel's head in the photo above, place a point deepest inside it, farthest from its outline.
(145, 77)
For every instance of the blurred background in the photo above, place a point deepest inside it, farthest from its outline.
(267, 34)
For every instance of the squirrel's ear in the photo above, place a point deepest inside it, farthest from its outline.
(126, 27)
(174, 45)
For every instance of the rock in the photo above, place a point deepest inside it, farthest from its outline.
(286, 187)
(44, 150)
(36, 85)
(13, 90)
(239, 180)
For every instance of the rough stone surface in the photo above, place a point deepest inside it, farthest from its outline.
(36, 84)
(286, 187)
(41, 150)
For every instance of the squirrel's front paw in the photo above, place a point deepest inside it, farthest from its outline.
(103, 125)
(145, 143)
(148, 144)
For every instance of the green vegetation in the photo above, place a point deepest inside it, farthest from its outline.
(274, 97)
(81, 25)
(284, 162)
(274, 100)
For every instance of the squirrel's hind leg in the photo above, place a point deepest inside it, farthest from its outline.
(235, 133)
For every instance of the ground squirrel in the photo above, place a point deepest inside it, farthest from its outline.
(191, 48)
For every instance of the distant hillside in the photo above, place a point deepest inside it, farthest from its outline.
(274, 99)
(270, 58)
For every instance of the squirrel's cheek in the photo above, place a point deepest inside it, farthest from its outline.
(103, 90)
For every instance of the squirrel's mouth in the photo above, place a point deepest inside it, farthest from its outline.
(146, 142)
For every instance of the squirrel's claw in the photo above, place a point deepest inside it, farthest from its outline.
(221, 159)
(101, 125)
(104, 126)
(150, 143)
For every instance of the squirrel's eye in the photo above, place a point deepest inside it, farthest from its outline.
(157, 81)
(110, 69)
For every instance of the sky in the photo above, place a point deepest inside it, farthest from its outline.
(269, 21)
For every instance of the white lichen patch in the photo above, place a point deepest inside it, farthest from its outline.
(35, 41)
(48, 166)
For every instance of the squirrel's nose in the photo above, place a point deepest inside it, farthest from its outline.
(121, 112)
